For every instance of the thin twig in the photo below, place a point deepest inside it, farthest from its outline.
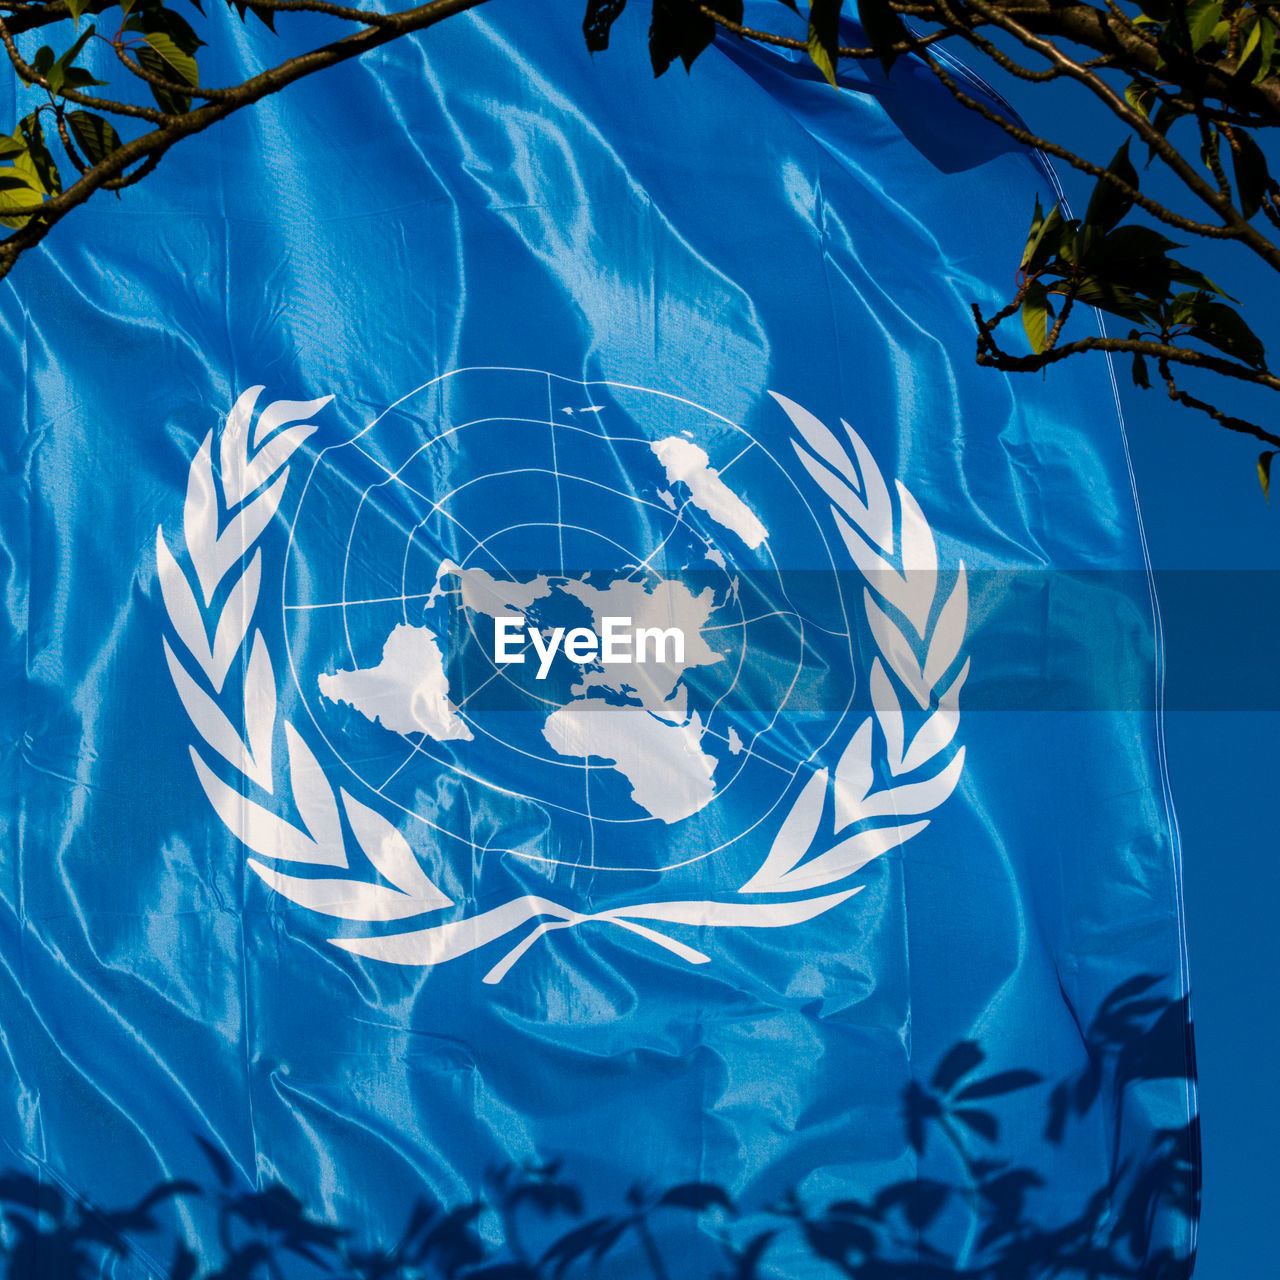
(1209, 149)
(994, 357)
(1029, 139)
(1172, 157)
(1185, 398)
(1055, 333)
(65, 135)
(128, 179)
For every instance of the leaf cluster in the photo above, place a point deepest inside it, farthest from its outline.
(60, 139)
(1126, 271)
(1241, 36)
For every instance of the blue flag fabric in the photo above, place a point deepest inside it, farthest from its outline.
(844, 937)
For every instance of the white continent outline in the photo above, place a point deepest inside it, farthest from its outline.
(229, 507)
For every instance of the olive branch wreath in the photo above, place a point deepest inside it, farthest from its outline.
(223, 675)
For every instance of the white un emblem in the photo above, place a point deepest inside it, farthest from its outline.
(548, 639)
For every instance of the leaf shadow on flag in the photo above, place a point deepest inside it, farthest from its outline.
(985, 1217)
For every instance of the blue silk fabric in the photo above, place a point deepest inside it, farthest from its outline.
(556, 303)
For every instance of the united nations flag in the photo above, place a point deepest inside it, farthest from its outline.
(557, 724)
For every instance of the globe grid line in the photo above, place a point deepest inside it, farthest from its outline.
(388, 472)
(593, 433)
(439, 506)
(555, 467)
(227, 511)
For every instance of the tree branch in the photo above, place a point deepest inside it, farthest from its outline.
(152, 146)
(1243, 426)
(1240, 228)
(1101, 31)
(31, 17)
(990, 354)
(1029, 139)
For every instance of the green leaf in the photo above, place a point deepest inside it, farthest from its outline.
(77, 7)
(884, 29)
(18, 195)
(57, 74)
(1110, 295)
(79, 78)
(1221, 326)
(12, 179)
(1266, 49)
(95, 135)
(181, 62)
(1181, 274)
(1140, 376)
(1167, 115)
(38, 164)
(1250, 167)
(1087, 241)
(176, 104)
(1228, 331)
(1264, 471)
(1252, 42)
(17, 192)
(43, 60)
(1035, 316)
(1202, 17)
(824, 36)
(1210, 149)
(1044, 238)
(1108, 205)
(1134, 242)
(1140, 94)
(165, 21)
(1069, 242)
(74, 52)
(11, 146)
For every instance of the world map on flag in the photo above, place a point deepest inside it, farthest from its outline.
(636, 510)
